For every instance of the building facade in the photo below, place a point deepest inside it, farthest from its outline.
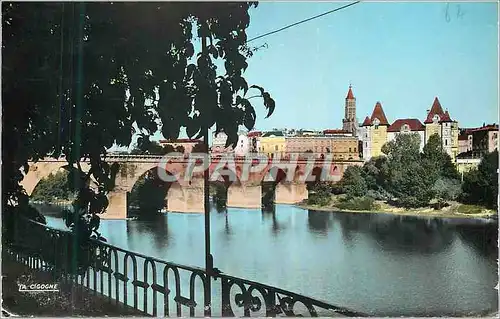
(483, 139)
(406, 126)
(341, 146)
(272, 143)
(467, 161)
(254, 141)
(464, 143)
(219, 144)
(242, 148)
(374, 132)
(439, 122)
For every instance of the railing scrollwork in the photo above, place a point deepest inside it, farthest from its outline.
(118, 273)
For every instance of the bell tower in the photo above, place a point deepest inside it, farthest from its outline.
(349, 122)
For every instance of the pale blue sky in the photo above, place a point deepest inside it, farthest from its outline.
(401, 54)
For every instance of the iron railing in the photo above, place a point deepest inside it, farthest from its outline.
(154, 286)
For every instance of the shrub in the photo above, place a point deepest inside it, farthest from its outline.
(321, 199)
(358, 203)
(469, 209)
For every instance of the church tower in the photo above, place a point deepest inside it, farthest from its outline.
(349, 122)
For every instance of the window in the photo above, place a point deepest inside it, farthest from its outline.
(354, 150)
(349, 150)
(276, 147)
(445, 142)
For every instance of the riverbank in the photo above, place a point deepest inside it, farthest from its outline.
(454, 210)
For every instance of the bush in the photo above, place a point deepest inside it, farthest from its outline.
(358, 203)
(446, 189)
(353, 182)
(469, 209)
(321, 199)
(380, 194)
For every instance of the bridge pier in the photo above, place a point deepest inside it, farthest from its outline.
(186, 199)
(290, 193)
(117, 207)
(244, 196)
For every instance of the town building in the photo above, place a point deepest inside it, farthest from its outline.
(350, 123)
(341, 144)
(273, 143)
(242, 148)
(474, 143)
(483, 139)
(374, 132)
(440, 122)
(464, 142)
(219, 144)
(182, 145)
(254, 141)
(407, 126)
(467, 161)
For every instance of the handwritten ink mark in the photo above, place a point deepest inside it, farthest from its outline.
(447, 15)
(460, 14)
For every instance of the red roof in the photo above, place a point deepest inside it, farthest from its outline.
(254, 133)
(335, 131)
(437, 109)
(378, 113)
(446, 117)
(350, 96)
(463, 137)
(489, 127)
(414, 124)
(367, 122)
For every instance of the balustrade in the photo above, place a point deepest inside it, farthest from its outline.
(151, 285)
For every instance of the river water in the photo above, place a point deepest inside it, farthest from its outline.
(379, 264)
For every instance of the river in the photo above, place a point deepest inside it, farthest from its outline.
(380, 264)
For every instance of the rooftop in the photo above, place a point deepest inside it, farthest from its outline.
(437, 109)
(378, 113)
(414, 125)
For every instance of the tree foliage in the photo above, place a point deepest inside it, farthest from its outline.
(480, 185)
(76, 76)
(354, 183)
(436, 161)
(406, 175)
(446, 189)
(149, 195)
(53, 187)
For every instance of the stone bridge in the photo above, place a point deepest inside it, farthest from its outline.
(185, 190)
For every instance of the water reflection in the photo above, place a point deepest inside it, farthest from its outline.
(379, 264)
(399, 234)
(483, 238)
(318, 221)
(154, 226)
(269, 214)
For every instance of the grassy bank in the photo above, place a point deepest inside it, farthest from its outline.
(454, 210)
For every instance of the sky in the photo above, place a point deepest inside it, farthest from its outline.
(401, 54)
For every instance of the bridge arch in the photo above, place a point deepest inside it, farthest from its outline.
(40, 170)
(167, 194)
(224, 188)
